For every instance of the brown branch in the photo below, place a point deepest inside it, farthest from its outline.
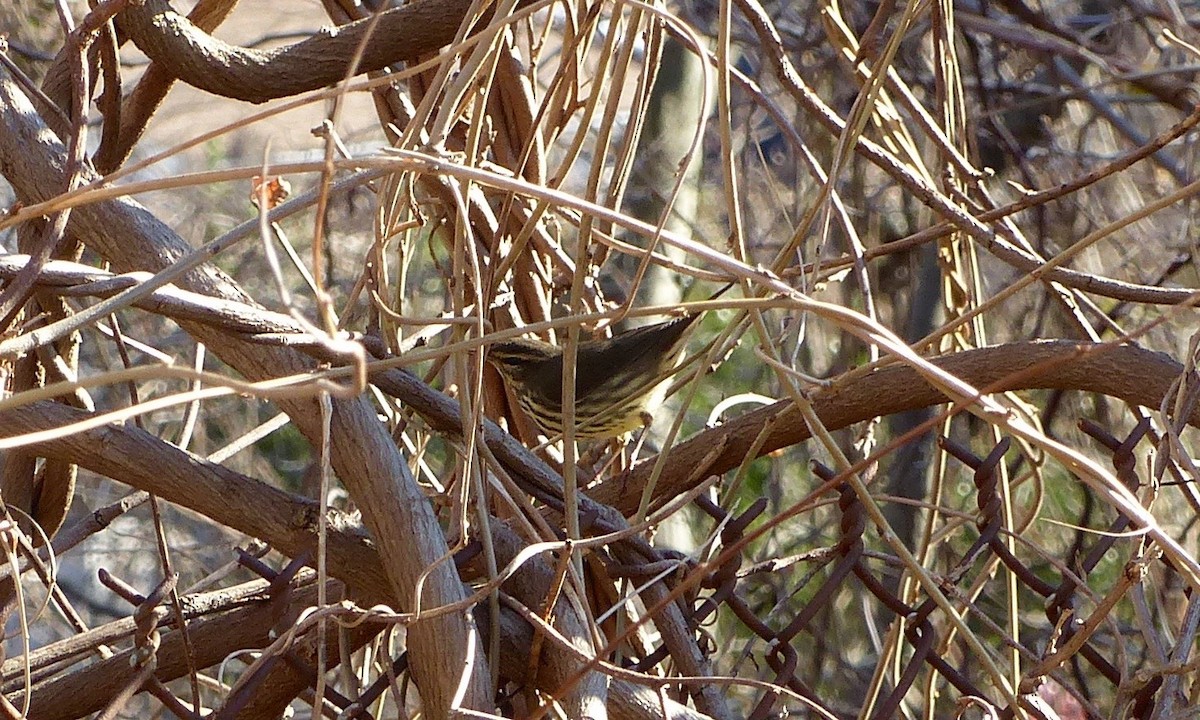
(400, 518)
(184, 50)
(133, 456)
(1128, 372)
(136, 110)
(626, 700)
(285, 521)
(79, 280)
(219, 623)
(532, 585)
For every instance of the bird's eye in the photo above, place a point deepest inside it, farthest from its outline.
(504, 359)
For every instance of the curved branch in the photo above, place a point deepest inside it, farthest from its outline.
(142, 102)
(363, 454)
(1128, 372)
(137, 458)
(288, 523)
(78, 280)
(195, 57)
(219, 623)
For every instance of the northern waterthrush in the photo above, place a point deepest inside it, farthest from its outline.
(618, 380)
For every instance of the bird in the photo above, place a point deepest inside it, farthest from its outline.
(619, 380)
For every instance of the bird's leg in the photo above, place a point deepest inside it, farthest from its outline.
(595, 453)
(647, 421)
(622, 460)
(618, 460)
